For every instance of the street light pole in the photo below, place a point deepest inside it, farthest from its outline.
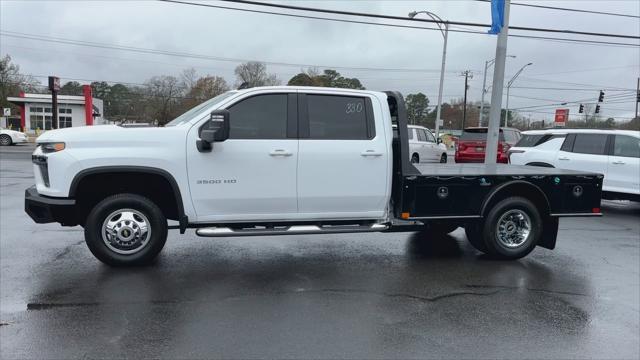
(506, 116)
(484, 87)
(444, 29)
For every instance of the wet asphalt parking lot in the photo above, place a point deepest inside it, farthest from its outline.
(340, 296)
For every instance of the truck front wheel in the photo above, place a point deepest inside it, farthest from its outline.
(126, 230)
(512, 228)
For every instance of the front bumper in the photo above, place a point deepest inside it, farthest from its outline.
(44, 209)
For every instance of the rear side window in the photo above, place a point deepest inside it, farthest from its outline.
(535, 140)
(529, 140)
(338, 117)
(626, 146)
(259, 117)
(590, 144)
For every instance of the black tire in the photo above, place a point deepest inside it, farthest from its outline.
(443, 159)
(129, 203)
(441, 227)
(473, 230)
(5, 140)
(415, 159)
(522, 208)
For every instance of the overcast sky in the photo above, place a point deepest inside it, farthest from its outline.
(344, 46)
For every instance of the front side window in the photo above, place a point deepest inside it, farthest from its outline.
(626, 146)
(337, 117)
(590, 144)
(259, 117)
(430, 137)
(410, 134)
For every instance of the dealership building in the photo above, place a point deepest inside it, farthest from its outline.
(36, 111)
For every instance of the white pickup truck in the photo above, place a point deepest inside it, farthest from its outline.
(288, 160)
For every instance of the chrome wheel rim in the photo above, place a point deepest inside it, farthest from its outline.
(5, 140)
(513, 228)
(126, 231)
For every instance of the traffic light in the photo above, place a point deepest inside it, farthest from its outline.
(581, 110)
(597, 109)
(638, 98)
(601, 97)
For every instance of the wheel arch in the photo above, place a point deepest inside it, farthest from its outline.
(532, 193)
(125, 178)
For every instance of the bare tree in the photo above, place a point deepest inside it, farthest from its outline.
(164, 95)
(189, 78)
(253, 73)
(12, 81)
(204, 89)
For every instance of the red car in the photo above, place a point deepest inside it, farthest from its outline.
(471, 145)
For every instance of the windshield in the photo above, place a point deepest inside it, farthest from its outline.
(196, 110)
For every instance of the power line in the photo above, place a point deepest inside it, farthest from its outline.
(192, 55)
(360, 14)
(585, 70)
(565, 88)
(569, 9)
(551, 113)
(546, 38)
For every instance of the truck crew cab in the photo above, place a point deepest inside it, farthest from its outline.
(288, 160)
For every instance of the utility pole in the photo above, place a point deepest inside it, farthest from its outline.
(467, 75)
(491, 150)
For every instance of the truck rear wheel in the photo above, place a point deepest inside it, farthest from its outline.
(126, 230)
(512, 228)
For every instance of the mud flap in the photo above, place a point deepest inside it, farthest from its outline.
(549, 233)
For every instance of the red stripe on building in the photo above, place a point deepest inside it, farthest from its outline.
(88, 104)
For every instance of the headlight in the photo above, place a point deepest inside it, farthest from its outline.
(52, 147)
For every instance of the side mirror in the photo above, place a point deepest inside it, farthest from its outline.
(439, 141)
(214, 130)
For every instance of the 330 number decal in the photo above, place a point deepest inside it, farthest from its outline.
(354, 108)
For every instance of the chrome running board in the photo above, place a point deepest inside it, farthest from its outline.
(289, 230)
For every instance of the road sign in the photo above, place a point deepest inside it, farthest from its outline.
(562, 116)
(6, 111)
(440, 122)
(54, 83)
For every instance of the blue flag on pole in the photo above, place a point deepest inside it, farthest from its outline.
(497, 16)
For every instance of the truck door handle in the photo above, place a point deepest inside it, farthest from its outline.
(563, 158)
(371, 153)
(618, 162)
(280, 152)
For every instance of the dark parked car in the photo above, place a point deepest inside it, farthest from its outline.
(470, 148)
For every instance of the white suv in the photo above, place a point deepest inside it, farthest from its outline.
(423, 146)
(614, 153)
